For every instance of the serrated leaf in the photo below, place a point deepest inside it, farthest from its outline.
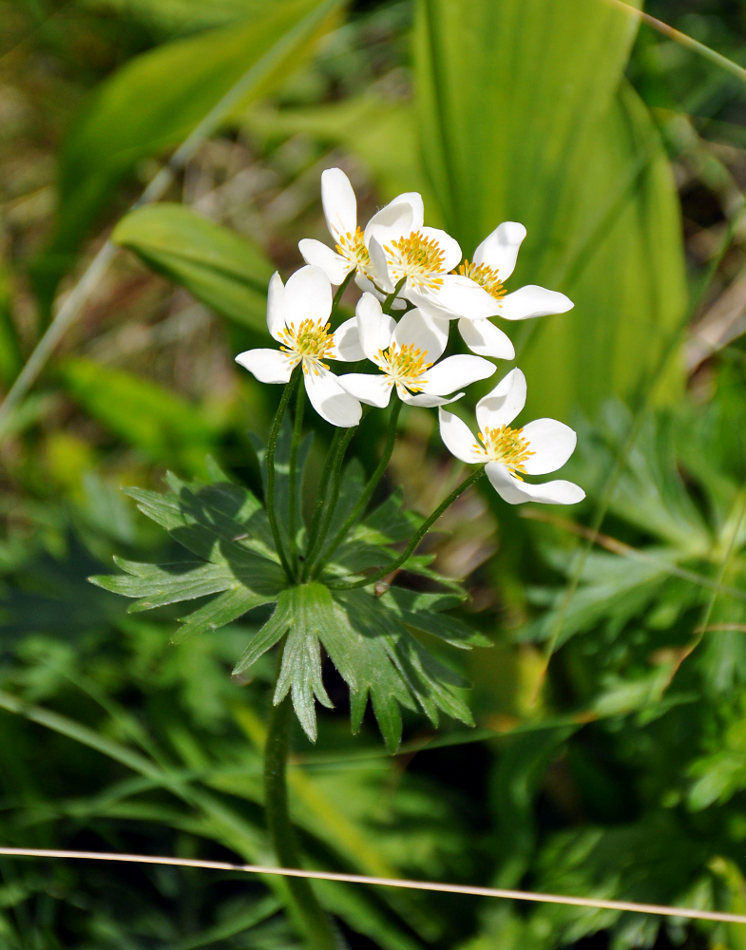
(270, 634)
(221, 610)
(157, 585)
(300, 672)
(226, 272)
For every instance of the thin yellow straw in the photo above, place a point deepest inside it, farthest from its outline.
(661, 910)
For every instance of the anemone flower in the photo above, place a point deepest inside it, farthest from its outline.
(508, 454)
(297, 317)
(351, 242)
(406, 356)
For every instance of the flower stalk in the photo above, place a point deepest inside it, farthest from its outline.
(317, 927)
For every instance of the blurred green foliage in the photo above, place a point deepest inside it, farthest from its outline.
(611, 741)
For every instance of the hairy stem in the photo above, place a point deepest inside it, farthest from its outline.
(327, 496)
(418, 536)
(293, 477)
(270, 462)
(375, 478)
(318, 929)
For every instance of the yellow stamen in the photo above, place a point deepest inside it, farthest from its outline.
(309, 343)
(507, 446)
(418, 258)
(352, 247)
(404, 365)
(485, 276)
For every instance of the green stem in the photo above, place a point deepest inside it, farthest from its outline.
(419, 535)
(293, 476)
(318, 928)
(270, 462)
(386, 305)
(340, 290)
(329, 486)
(375, 478)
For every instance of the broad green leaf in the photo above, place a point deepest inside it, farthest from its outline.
(221, 610)
(524, 116)
(153, 419)
(220, 268)
(270, 634)
(156, 100)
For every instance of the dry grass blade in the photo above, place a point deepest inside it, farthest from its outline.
(684, 39)
(661, 910)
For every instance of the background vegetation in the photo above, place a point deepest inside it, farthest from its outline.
(609, 757)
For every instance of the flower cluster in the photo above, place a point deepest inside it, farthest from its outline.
(415, 273)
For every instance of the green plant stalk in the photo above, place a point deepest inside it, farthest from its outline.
(417, 537)
(386, 305)
(317, 926)
(324, 509)
(367, 493)
(340, 290)
(293, 477)
(270, 462)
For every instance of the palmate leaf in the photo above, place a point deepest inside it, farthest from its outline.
(225, 526)
(371, 634)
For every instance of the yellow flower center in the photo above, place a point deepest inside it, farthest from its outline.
(309, 343)
(352, 247)
(418, 258)
(484, 276)
(404, 365)
(507, 446)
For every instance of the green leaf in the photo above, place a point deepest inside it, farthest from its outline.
(300, 672)
(159, 585)
(157, 99)
(223, 525)
(159, 422)
(270, 634)
(524, 115)
(220, 268)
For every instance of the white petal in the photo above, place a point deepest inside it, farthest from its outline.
(454, 372)
(486, 339)
(375, 327)
(502, 405)
(333, 265)
(515, 491)
(458, 296)
(330, 400)
(340, 204)
(552, 443)
(499, 250)
(426, 334)
(450, 247)
(458, 438)
(428, 402)
(347, 342)
(400, 216)
(533, 301)
(373, 390)
(308, 296)
(380, 266)
(269, 366)
(276, 306)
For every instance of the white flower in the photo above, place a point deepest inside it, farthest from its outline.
(297, 317)
(541, 446)
(351, 243)
(493, 262)
(406, 354)
(402, 250)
